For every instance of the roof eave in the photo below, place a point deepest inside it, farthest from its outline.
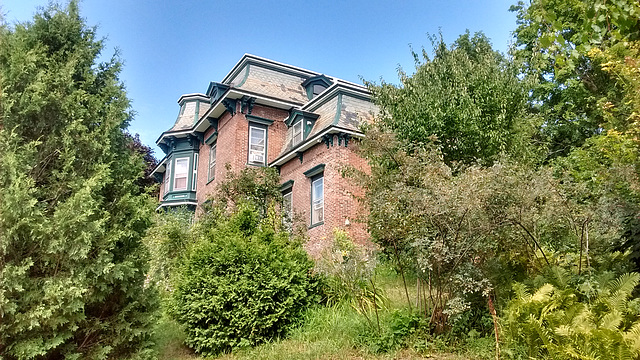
(316, 139)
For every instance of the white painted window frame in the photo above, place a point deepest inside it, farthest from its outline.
(194, 175)
(254, 152)
(317, 203)
(167, 177)
(211, 174)
(175, 174)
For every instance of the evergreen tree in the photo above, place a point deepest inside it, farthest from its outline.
(72, 213)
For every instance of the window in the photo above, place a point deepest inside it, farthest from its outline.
(167, 177)
(181, 172)
(317, 89)
(297, 132)
(212, 162)
(257, 145)
(317, 200)
(287, 208)
(194, 178)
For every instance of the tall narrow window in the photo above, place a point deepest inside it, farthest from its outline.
(212, 162)
(167, 176)
(287, 208)
(194, 178)
(317, 200)
(181, 172)
(257, 145)
(297, 132)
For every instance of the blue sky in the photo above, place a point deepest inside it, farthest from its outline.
(170, 48)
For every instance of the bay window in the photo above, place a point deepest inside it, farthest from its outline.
(181, 174)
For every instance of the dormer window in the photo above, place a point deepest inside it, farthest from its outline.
(316, 85)
(317, 89)
(297, 132)
(300, 123)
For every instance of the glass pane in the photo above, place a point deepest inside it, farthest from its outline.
(182, 166)
(257, 145)
(297, 132)
(180, 183)
(180, 171)
(317, 204)
(257, 137)
(317, 89)
(287, 209)
(212, 162)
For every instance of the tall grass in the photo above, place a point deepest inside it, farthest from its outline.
(328, 332)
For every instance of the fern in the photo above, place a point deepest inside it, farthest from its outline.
(601, 322)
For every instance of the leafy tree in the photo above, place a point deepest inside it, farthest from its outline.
(584, 55)
(468, 96)
(560, 44)
(146, 181)
(258, 186)
(72, 213)
(167, 240)
(470, 234)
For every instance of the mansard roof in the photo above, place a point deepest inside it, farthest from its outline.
(342, 105)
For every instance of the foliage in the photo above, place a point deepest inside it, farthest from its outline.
(575, 51)
(243, 283)
(585, 319)
(468, 97)
(349, 269)
(72, 214)
(473, 233)
(258, 186)
(400, 326)
(167, 240)
(146, 181)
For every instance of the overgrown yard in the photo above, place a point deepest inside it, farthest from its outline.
(332, 332)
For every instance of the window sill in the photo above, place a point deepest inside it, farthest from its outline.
(210, 180)
(315, 225)
(256, 165)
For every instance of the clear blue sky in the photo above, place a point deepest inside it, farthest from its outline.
(174, 47)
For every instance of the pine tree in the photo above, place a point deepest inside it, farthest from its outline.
(72, 213)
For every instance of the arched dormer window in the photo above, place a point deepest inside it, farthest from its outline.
(315, 85)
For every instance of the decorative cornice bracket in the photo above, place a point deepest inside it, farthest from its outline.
(230, 105)
(327, 139)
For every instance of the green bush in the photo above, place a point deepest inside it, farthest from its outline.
(167, 240)
(349, 274)
(244, 283)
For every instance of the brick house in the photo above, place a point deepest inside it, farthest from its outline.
(265, 113)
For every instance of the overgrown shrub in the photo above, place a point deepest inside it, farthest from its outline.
(593, 318)
(167, 240)
(395, 332)
(349, 270)
(243, 283)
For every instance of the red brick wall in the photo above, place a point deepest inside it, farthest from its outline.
(339, 202)
(233, 144)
